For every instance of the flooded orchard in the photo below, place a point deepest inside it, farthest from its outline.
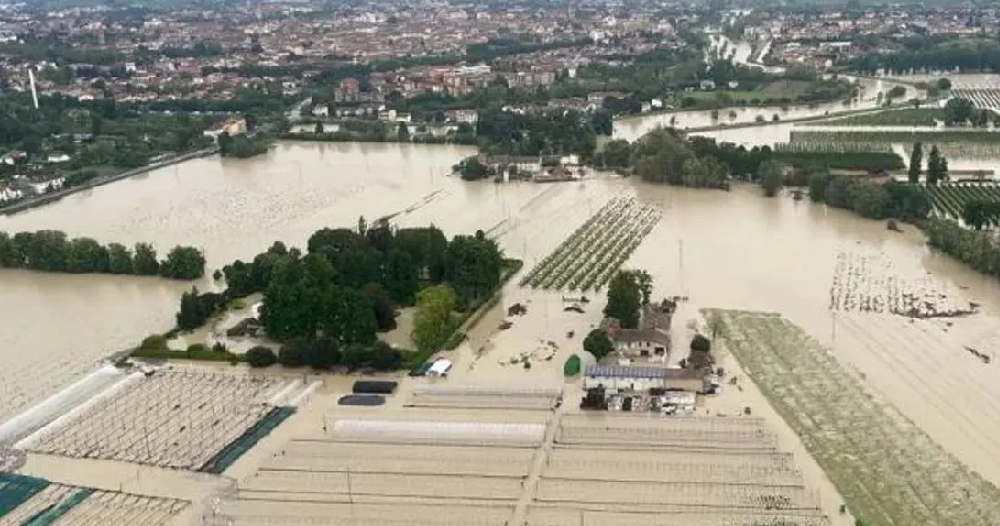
(733, 250)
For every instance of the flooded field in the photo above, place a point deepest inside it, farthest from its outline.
(632, 128)
(733, 250)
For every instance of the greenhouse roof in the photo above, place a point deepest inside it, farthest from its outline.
(626, 371)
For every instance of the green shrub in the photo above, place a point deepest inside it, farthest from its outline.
(154, 341)
(261, 356)
(572, 366)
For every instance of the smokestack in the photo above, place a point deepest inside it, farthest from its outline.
(34, 90)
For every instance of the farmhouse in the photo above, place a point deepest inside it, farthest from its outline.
(651, 340)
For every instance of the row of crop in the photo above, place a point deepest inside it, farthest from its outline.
(970, 150)
(887, 470)
(949, 200)
(543, 267)
(562, 264)
(599, 235)
(981, 97)
(832, 147)
(596, 248)
(597, 270)
(903, 117)
(599, 277)
(909, 137)
(868, 161)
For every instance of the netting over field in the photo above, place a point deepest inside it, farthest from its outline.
(281, 513)
(475, 396)
(178, 419)
(673, 466)
(63, 505)
(384, 484)
(695, 432)
(427, 432)
(315, 455)
(556, 516)
(888, 471)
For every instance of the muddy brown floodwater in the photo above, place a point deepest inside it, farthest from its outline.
(722, 249)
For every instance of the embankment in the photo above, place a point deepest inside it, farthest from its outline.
(59, 194)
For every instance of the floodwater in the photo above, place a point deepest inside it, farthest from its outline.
(721, 249)
(632, 128)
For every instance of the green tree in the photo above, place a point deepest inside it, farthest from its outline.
(403, 133)
(916, 163)
(943, 84)
(935, 170)
(616, 154)
(958, 111)
(432, 323)
(624, 300)
(385, 314)
(119, 259)
(319, 128)
(818, 183)
(194, 310)
(183, 263)
(598, 344)
(8, 255)
(294, 352)
(975, 213)
(145, 261)
(771, 177)
(87, 256)
(225, 144)
(401, 278)
(472, 267)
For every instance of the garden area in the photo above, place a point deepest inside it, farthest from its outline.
(589, 257)
(949, 200)
(871, 282)
(889, 472)
(839, 155)
(906, 137)
(903, 117)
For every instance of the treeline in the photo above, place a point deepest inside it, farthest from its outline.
(548, 133)
(869, 161)
(666, 156)
(869, 199)
(966, 56)
(980, 250)
(53, 251)
(242, 146)
(348, 284)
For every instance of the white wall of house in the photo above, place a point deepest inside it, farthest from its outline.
(618, 382)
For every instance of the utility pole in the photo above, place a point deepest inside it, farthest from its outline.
(680, 265)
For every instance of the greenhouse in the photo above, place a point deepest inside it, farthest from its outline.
(485, 397)
(438, 432)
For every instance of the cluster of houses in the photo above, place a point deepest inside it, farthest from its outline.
(21, 186)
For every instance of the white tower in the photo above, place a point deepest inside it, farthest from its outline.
(34, 91)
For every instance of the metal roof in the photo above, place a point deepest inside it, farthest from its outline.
(626, 371)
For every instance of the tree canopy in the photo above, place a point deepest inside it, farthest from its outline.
(624, 299)
(598, 344)
(53, 251)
